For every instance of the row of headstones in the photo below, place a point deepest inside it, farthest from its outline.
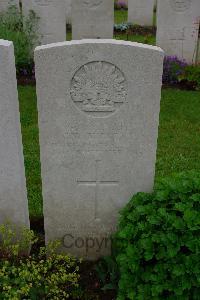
(98, 123)
(177, 21)
(140, 11)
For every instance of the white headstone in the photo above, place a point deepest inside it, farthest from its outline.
(68, 6)
(177, 28)
(140, 12)
(92, 19)
(4, 4)
(98, 119)
(52, 18)
(13, 198)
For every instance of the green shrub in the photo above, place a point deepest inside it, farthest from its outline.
(158, 242)
(46, 275)
(108, 273)
(192, 75)
(22, 31)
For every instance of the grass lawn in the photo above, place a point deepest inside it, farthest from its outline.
(178, 143)
(121, 16)
(30, 135)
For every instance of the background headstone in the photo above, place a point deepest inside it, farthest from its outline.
(4, 4)
(52, 19)
(92, 19)
(68, 6)
(98, 119)
(140, 12)
(13, 197)
(177, 28)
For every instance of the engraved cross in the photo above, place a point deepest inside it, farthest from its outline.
(97, 183)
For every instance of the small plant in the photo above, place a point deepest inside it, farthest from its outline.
(123, 27)
(172, 70)
(158, 242)
(23, 32)
(191, 76)
(15, 241)
(108, 273)
(47, 275)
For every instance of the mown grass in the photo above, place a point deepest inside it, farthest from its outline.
(30, 136)
(178, 143)
(179, 132)
(121, 16)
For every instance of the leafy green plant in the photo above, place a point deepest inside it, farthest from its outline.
(23, 32)
(158, 242)
(47, 275)
(15, 241)
(108, 273)
(192, 76)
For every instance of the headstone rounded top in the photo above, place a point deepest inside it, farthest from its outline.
(98, 88)
(180, 5)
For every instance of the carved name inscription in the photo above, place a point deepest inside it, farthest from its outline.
(92, 3)
(98, 88)
(177, 35)
(180, 5)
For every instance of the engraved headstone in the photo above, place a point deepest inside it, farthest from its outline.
(177, 28)
(92, 19)
(13, 198)
(5, 4)
(140, 12)
(98, 119)
(52, 19)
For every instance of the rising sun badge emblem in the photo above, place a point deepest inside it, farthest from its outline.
(98, 88)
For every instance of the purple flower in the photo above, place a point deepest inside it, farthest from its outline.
(173, 69)
(121, 4)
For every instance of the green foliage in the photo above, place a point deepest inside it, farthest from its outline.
(15, 241)
(30, 136)
(158, 242)
(22, 31)
(192, 75)
(46, 275)
(108, 273)
(121, 16)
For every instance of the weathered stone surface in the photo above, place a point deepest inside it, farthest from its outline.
(98, 119)
(68, 7)
(92, 19)
(177, 28)
(4, 4)
(52, 19)
(13, 198)
(140, 12)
